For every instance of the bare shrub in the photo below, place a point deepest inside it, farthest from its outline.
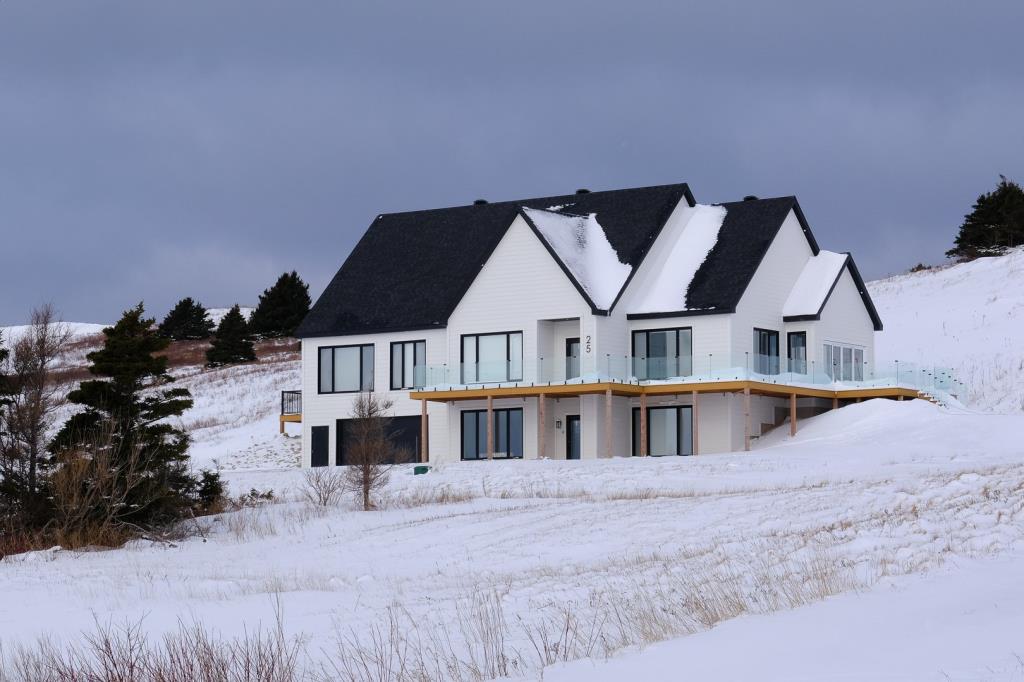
(324, 486)
(26, 415)
(371, 453)
(192, 653)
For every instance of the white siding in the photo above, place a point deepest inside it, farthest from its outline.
(844, 320)
(519, 285)
(761, 304)
(323, 409)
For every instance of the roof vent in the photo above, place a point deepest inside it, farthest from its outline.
(750, 197)
(583, 190)
(479, 202)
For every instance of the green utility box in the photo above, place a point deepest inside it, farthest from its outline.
(420, 469)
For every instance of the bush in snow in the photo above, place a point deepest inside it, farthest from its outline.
(281, 308)
(232, 342)
(186, 321)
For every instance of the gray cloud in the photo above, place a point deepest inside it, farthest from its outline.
(154, 151)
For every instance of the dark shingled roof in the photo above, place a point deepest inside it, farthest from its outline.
(410, 270)
(743, 240)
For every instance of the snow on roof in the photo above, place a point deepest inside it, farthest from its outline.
(814, 284)
(581, 243)
(667, 292)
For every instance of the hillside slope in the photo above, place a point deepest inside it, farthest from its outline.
(969, 317)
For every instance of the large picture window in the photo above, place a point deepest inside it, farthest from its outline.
(796, 349)
(766, 351)
(844, 362)
(346, 369)
(492, 357)
(669, 431)
(508, 434)
(662, 353)
(408, 364)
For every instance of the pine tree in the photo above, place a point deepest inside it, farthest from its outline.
(231, 342)
(281, 308)
(995, 223)
(125, 421)
(186, 321)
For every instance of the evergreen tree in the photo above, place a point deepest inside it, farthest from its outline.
(186, 321)
(231, 342)
(995, 223)
(125, 420)
(281, 308)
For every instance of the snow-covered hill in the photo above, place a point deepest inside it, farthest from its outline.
(969, 317)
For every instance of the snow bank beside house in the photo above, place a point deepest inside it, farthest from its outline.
(668, 291)
(968, 317)
(583, 247)
(814, 284)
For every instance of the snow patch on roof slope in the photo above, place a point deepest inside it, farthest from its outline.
(814, 284)
(581, 243)
(667, 292)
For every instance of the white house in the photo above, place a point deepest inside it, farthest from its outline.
(598, 324)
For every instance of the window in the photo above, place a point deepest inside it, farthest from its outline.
(844, 362)
(796, 345)
(508, 434)
(492, 357)
(408, 364)
(766, 351)
(669, 431)
(662, 353)
(346, 369)
(572, 358)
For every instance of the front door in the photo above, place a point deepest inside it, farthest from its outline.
(572, 358)
(572, 436)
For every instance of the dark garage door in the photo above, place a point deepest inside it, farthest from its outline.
(405, 434)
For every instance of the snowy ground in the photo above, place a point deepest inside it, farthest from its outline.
(871, 493)
(969, 317)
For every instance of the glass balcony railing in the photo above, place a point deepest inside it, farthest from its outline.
(711, 367)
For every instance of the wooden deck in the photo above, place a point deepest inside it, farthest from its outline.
(637, 390)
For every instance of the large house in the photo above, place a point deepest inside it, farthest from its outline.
(597, 324)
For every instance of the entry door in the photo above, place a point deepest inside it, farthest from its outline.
(572, 358)
(572, 436)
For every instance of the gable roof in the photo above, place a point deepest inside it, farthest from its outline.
(791, 312)
(746, 233)
(410, 270)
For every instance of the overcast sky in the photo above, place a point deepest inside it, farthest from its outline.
(155, 150)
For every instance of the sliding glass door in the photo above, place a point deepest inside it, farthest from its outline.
(766, 351)
(508, 434)
(662, 353)
(669, 431)
(492, 357)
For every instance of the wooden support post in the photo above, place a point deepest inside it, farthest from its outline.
(424, 450)
(542, 424)
(280, 421)
(608, 423)
(792, 414)
(643, 425)
(835, 402)
(696, 422)
(490, 427)
(746, 419)
(899, 397)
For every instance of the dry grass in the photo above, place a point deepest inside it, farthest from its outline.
(127, 654)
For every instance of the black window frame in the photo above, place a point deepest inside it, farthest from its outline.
(508, 356)
(482, 454)
(391, 364)
(636, 362)
(778, 350)
(789, 351)
(635, 427)
(362, 370)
